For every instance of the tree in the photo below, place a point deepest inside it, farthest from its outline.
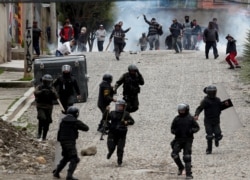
(87, 14)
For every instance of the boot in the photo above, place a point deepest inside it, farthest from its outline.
(56, 174)
(70, 177)
(180, 166)
(209, 147)
(188, 170)
(119, 161)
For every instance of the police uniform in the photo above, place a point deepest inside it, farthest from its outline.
(183, 127)
(105, 97)
(66, 86)
(212, 107)
(44, 97)
(119, 120)
(131, 88)
(67, 135)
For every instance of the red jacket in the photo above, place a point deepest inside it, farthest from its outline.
(67, 33)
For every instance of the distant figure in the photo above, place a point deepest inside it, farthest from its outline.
(211, 37)
(37, 34)
(153, 33)
(143, 42)
(82, 40)
(176, 32)
(215, 24)
(196, 33)
(67, 32)
(187, 33)
(232, 52)
(100, 34)
(124, 42)
(66, 48)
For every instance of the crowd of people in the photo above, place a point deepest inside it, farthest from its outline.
(116, 123)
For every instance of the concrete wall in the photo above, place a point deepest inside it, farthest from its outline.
(4, 33)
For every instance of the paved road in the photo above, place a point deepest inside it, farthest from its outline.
(170, 79)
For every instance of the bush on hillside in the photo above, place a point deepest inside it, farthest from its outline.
(245, 73)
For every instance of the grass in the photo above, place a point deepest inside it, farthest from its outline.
(1, 70)
(26, 79)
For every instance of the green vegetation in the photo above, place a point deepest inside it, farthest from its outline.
(1, 70)
(245, 72)
(26, 78)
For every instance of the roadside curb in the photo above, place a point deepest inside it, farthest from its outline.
(17, 106)
(15, 84)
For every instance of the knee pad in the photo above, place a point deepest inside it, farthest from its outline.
(174, 156)
(187, 158)
(209, 137)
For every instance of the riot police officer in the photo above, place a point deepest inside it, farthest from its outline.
(67, 135)
(183, 127)
(45, 94)
(131, 81)
(212, 107)
(119, 120)
(66, 86)
(105, 97)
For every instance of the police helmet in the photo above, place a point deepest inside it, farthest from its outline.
(47, 79)
(120, 105)
(211, 91)
(66, 68)
(107, 77)
(74, 111)
(183, 109)
(132, 67)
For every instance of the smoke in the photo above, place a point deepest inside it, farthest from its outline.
(231, 21)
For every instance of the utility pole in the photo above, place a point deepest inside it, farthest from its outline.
(28, 47)
(53, 25)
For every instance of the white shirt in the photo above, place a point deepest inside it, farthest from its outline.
(65, 48)
(100, 34)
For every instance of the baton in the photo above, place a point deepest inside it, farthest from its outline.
(108, 46)
(60, 104)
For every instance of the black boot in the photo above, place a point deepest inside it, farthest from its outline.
(180, 166)
(56, 174)
(188, 170)
(209, 147)
(72, 167)
(119, 161)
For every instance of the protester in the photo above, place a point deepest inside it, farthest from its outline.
(67, 32)
(176, 32)
(232, 52)
(36, 35)
(100, 34)
(187, 32)
(211, 37)
(154, 31)
(82, 40)
(66, 48)
(143, 42)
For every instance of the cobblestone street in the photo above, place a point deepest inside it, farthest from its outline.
(170, 79)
